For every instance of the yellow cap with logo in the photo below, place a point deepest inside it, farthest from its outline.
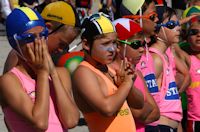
(61, 12)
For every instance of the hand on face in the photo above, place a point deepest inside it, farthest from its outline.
(39, 56)
(50, 61)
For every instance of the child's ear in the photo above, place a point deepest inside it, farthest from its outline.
(85, 44)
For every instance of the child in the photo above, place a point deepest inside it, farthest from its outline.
(103, 104)
(131, 45)
(35, 95)
(193, 90)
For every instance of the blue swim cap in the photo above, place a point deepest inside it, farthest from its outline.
(19, 21)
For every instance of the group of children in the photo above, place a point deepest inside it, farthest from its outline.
(130, 78)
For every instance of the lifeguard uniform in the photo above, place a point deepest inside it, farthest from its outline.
(193, 92)
(122, 121)
(147, 68)
(170, 104)
(28, 20)
(17, 123)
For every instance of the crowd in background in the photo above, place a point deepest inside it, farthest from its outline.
(102, 5)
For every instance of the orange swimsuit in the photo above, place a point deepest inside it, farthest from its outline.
(122, 121)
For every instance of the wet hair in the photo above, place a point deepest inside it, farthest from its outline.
(164, 12)
(89, 32)
(146, 4)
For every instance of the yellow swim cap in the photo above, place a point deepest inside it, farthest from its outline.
(61, 12)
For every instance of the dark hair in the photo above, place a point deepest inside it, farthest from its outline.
(148, 2)
(89, 31)
(164, 12)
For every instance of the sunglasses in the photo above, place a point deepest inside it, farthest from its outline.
(151, 16)
(29, 37)
(136, 44)
(193, 32)
(170, 24)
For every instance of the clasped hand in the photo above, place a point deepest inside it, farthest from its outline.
(125, 74)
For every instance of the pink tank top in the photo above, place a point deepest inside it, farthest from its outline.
(146, 67)
(16, 123)
(170, 104)
(193, 91)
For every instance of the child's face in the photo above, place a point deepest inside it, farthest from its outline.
(61, 40)
(28, 39)
(104, 49)
(148, 24)
(170, 30)
(135, 50)
(194, 36)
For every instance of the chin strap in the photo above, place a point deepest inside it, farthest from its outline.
(146, 45)
(141, 24)
(158, 38)
(166, 40)
(19, 51)
(146, 48)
